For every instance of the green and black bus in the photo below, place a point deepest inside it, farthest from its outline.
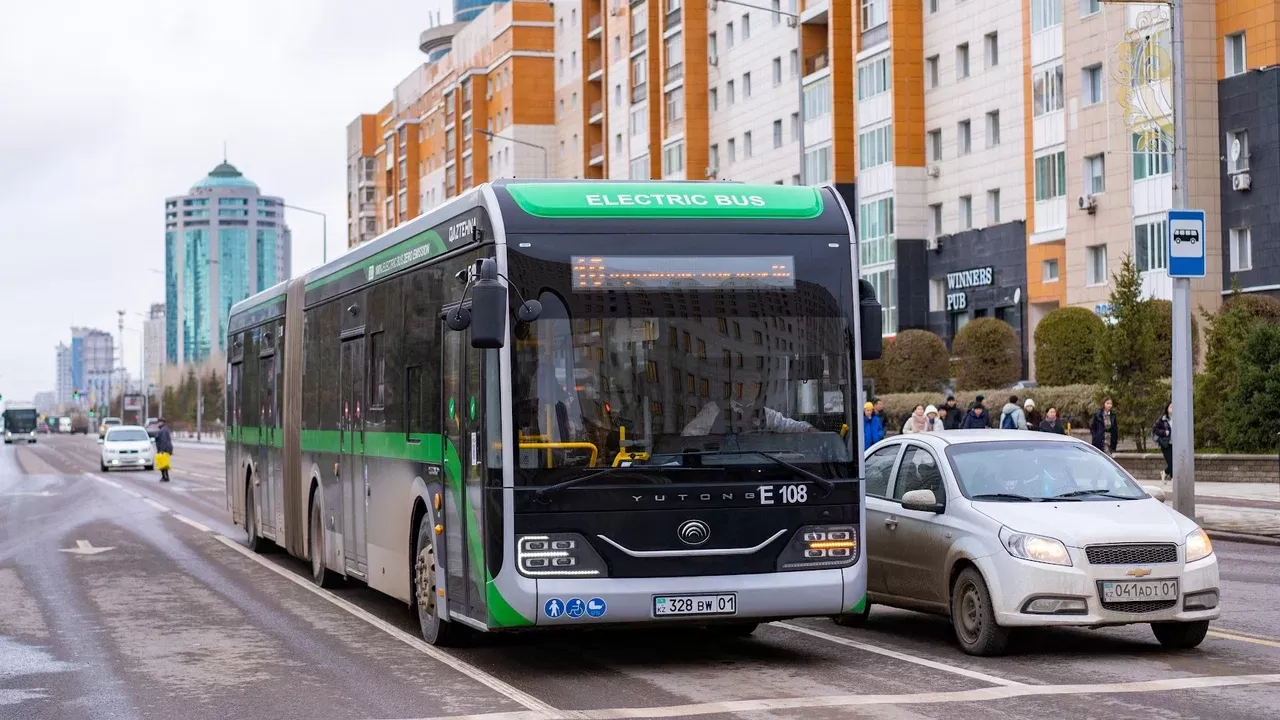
(551, 403)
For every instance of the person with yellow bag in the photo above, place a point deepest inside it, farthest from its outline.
(164, 449)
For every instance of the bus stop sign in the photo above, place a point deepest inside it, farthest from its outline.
(1186, 243)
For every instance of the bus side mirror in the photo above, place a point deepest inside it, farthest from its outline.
(871, 338)
(488, 307)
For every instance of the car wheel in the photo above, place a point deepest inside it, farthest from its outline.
(255, 541)
(103, 467)
(973, 617)
(435, 629)
(1180, 635)
(854, 620)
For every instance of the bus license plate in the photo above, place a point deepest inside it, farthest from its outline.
(1144, 591)
(684, 605)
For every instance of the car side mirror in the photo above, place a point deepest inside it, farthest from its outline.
(1155, 492)
(922, 501)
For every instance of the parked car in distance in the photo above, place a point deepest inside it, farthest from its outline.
(107, 424)
(127, 446)
(1004, 529)
(80, 424)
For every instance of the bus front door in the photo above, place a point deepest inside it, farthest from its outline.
(353, 469)
(464, 457)
(265, 492)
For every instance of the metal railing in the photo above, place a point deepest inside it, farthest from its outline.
(674, 18)
(638, 39)
(675, 72)
(638, 92)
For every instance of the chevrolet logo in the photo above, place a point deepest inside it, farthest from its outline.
(1139, 572)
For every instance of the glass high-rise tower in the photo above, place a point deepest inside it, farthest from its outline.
(223, 241)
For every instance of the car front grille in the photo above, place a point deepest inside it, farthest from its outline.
(1136, 554)
(1149, 606)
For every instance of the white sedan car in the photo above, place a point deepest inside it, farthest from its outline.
(127, 446)
(1001, 529)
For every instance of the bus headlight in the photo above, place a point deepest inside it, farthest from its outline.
(564, 555)
(816, 547)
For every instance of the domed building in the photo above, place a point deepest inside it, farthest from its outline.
(223, 241)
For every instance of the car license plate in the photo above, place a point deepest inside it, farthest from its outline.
(684, 605)
(1140, 591)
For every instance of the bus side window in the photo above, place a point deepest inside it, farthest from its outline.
(413, 402)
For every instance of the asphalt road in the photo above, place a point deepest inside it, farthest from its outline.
(162, 613)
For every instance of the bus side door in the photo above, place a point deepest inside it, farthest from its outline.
(352, 473)
(464, 458)
(265, 492)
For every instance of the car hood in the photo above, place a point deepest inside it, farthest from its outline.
(140, 446)
(1092, 522)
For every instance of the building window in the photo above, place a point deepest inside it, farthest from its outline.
(777, 134)
(617, 94)
(1051, 176)
(1045, 14)
(733, 150)
(1096, 265)
(746, 86)
(1090, 7)
(640, 168)
(817, 99)
(617, 143)
(713, 54)
(747, 150)
(1151, 245)
(935, 145)
(714, 159)
(962, 61)
(1241, 250)
(937, 294)
(713, 99)
(963, 138)
(931, 71)
(875, 147)
(993, 128)
(875, 244)
(730, 95)
(746, 26)
(991, 48)
(873, 77)
(795, 127)
(1234, 48)
(639, 121)
(728, 36)
(795, 62)
(966, 212)
(1049, 271)
(1095, 174)
(933, 6)
(993, 207)
(817, 165)
(777, 71)
(1091, 85)
(1046, 90)
(1238, 160)
(935, 217)
(1152, 154)
(885, 283)
(673, 159)
(776, 5)
(874, 13)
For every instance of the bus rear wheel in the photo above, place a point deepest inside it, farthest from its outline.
(320, 575)
(435, 629)
(255, 541)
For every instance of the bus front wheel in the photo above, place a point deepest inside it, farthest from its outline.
(435, 629)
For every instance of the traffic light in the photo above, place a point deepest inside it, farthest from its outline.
(90, 413)
(75, 395)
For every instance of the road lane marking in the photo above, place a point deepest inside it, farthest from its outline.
(159, 506)
(84, 547)
(1245, 638)
(105, 481)
(965, 672)
(191, 522)
(134, 493)
(509, 691)
(932, 698)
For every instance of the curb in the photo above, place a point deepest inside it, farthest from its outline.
(1243, 538)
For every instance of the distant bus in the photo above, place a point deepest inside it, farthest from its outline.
(20, 425)
(559, 404)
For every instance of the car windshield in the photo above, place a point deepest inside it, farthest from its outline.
(1028, 471)
(128, 435)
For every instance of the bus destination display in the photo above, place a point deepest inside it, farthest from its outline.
(649, 272)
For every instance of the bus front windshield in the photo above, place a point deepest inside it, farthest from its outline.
(684, 375)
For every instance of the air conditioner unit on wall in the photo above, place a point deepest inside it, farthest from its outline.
(1241, 181)
(933, 171)
(792, 22)
(1087, 202)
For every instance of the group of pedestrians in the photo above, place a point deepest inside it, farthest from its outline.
(950, 416)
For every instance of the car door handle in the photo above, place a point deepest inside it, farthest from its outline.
(892, 523)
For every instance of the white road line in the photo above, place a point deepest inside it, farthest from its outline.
(511, 692)
(933, 698)
(965, 672)
(159, 506)
(134, 493)
(191, 522)
(105, 481)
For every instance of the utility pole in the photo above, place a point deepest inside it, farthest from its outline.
(123, 379)
(1184, 492)
(199, 404)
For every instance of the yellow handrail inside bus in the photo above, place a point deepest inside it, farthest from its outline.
(624, 456)
(549, 446)
(844, 430)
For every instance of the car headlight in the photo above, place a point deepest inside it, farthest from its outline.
(815, 547)
(558, 555)
(1199, 546)
(1035, 548)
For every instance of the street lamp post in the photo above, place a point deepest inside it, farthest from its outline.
(545, 172)
(324, 229)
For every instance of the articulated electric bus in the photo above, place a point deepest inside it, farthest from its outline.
(564, 404)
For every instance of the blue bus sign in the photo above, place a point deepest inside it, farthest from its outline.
(1186, 243)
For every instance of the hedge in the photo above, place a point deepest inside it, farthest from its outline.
(1075, 403)
(1163, 310)
(988, 353)
(1066, 340)
(916, 360)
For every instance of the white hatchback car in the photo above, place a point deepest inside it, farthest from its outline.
(127, 446)
(1001, 529)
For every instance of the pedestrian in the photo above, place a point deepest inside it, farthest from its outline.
(954, 415)
(976, 419)
(164, 449)
(872, 427)
(1162, 433)
(1052, 423)
(1103, 429)
(1011, 416)
(935, 422)
(1033, 415)
(977, 401)
(880, 413)
(918, 422)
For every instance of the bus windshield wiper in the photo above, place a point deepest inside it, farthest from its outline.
(542, 493)
(817, 479)
(1096, 493)
(1005, 496)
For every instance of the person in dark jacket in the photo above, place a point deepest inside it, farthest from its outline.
(1162, 431)
(976, 419)
(1034, 418)
(955, 415)
(1052, 423)
(1103, 429)
(164, 444)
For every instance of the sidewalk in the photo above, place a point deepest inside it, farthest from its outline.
(1241, 511)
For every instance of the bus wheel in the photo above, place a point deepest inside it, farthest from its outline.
(320, 575)
(435, 629)
(255, 541)
(854, 620)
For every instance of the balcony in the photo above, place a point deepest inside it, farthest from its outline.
(595, 113)
(595, 69)
(466, 144)
(673, 19)
(638, 39)
(675, 126)
(594, 25)
(639, 92)
(675, 72)
(597, 154)
(466, 106)
(816, 62)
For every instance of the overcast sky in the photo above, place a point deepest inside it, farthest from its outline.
(106, 108)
